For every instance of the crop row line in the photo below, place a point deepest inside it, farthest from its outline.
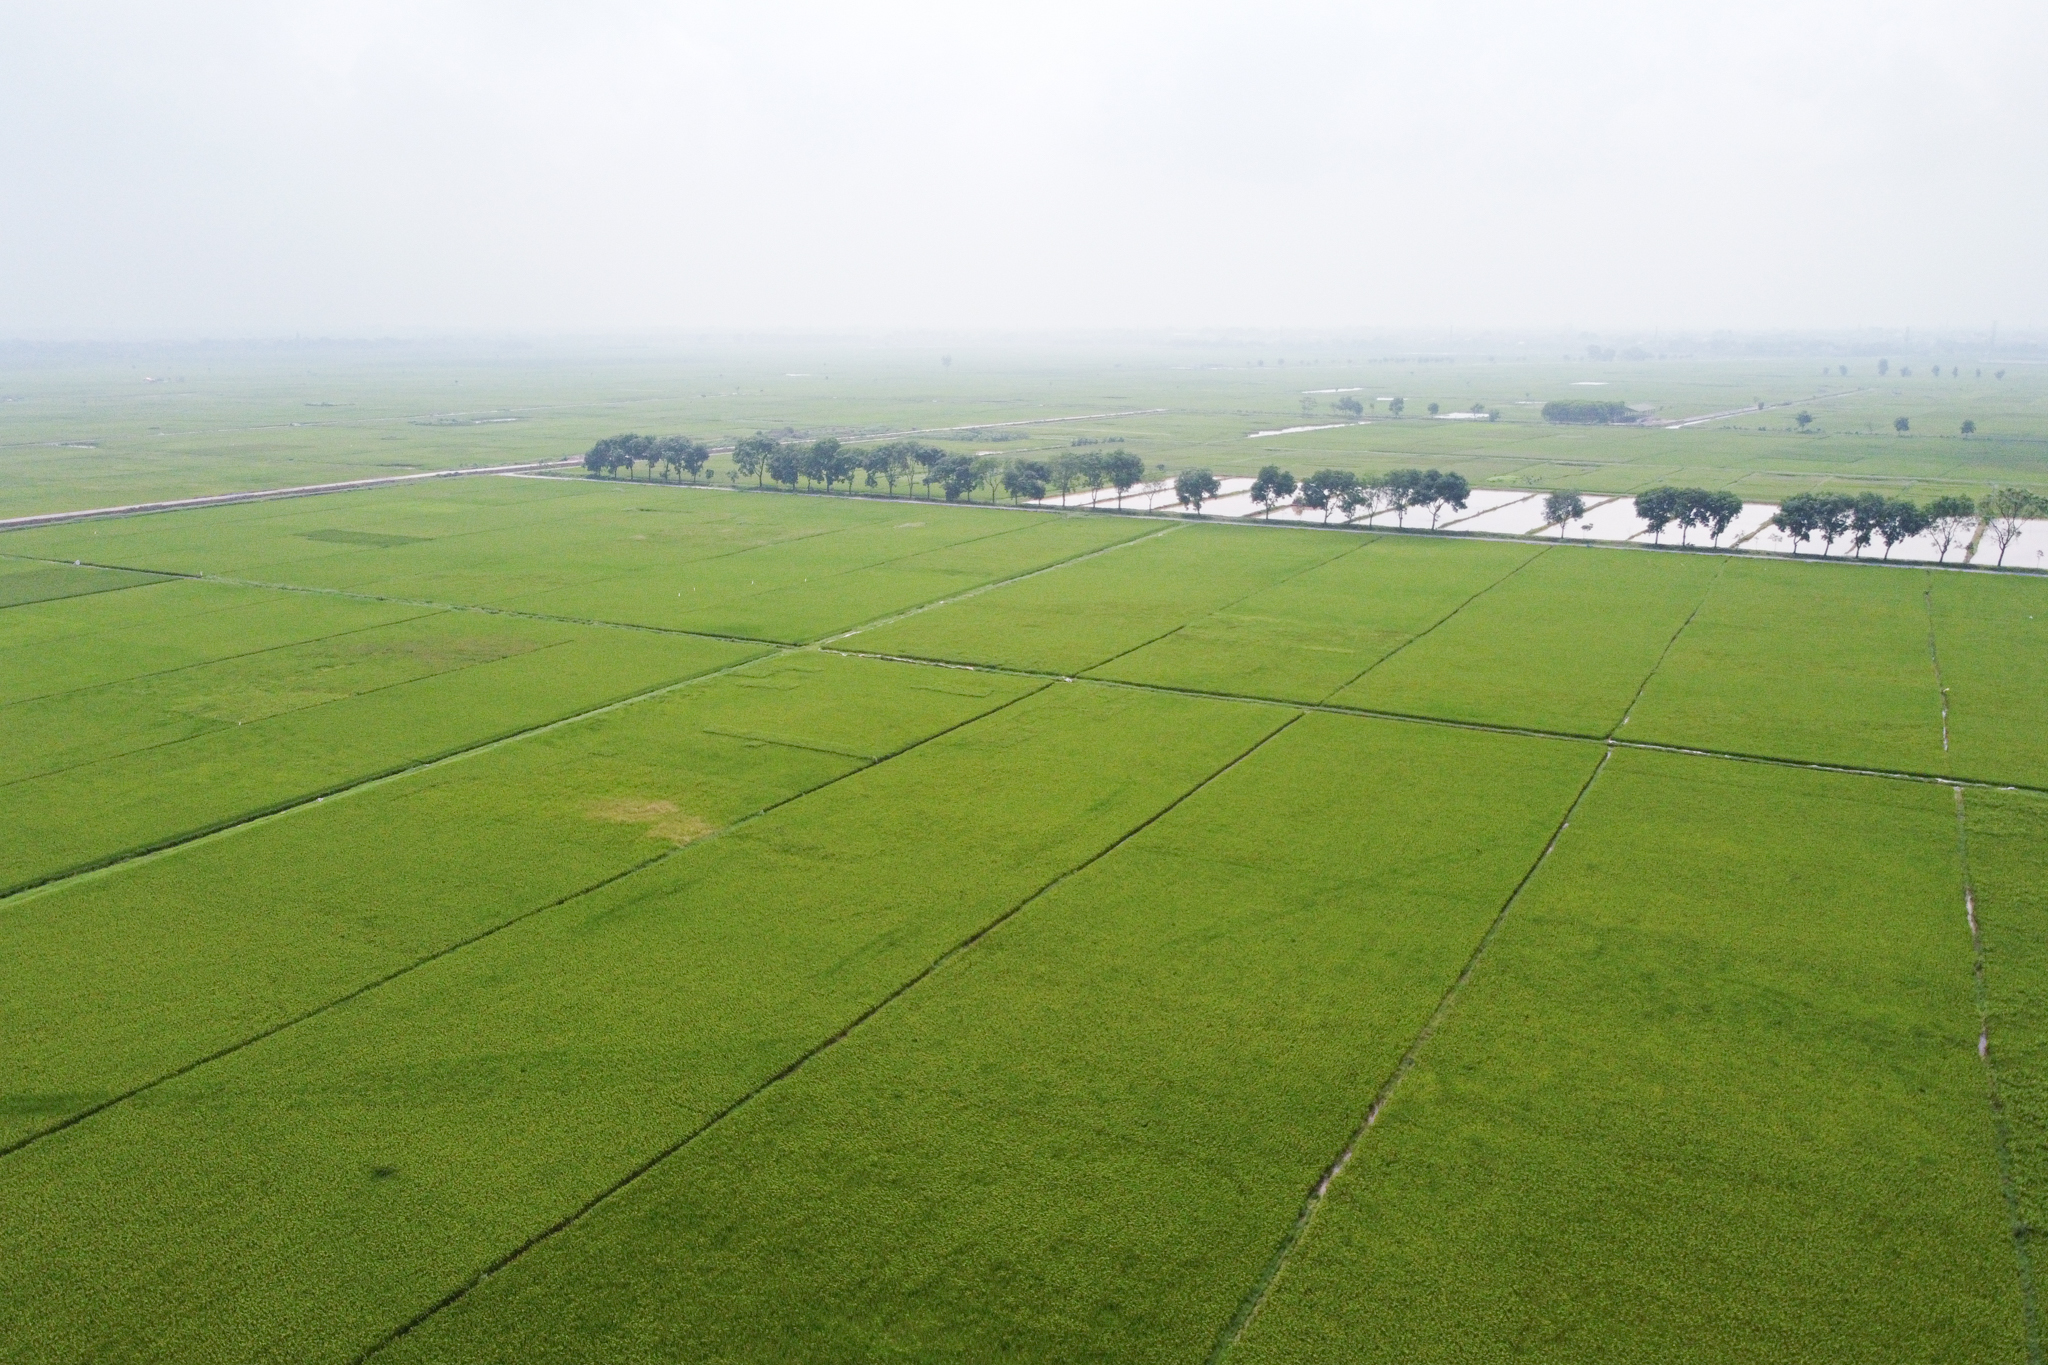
(1354, 678)
(810, 1054)
(1482, 727)
(1263, 587)
(1263, 1288)
(2001, 1127)
(1669, 645)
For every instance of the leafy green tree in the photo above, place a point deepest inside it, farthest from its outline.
(1658, 508)
(1027, 479)
(928, 458)
(1563, 508)
(1094, 473)
(956, 476)
(1123, 470)
(785, 464)
(1403, 490)
(1950, 520)
(1353, 495)
(1901, 425)
(1867, 513)
(988, 473)
(1805, 420)
(1325, 490)
(1066, 472)
(1902, 520)
(1396, 405)
(750, 455)
(680, 453)
(1194, 486)
(1351, 405)
(1432, 409)
(2005, 513)
(1587, 411)
(1798, 517)
(1969, 427)
(1273, 486)
(1442, 493)
(1834, 513)
(840, 463)
(1716, 511)
(889, 461)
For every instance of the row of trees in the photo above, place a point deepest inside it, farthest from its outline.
(831, 462)
(1339, 490)
(676, 454)
(1707, 509)
(1948, 522)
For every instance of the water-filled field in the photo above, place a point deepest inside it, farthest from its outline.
(524, 919)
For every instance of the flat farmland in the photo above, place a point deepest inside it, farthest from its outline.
(1713, 1094)
(598, 919)
(1083, 1138)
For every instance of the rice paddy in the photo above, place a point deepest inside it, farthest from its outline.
(513, 919)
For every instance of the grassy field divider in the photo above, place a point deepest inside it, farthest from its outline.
(1263, 1288)
(1481, 727)
(624, 1182)
(1669, 644)
(977, 591)
(1264, 587)
(867, 761)
(2001, 1125)
(1934, 657)
(1439, 621)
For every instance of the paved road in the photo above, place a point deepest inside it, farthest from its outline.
(265, 494)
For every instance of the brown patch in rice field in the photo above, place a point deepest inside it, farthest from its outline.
(662, 819)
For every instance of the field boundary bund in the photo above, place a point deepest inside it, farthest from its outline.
(1450, 723)
(1360, 675)
(139, 509)
(633, 1176)
(1255, 1299)
(2001, 1126)
(1664, 654)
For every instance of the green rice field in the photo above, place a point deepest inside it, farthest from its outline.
(514, 919)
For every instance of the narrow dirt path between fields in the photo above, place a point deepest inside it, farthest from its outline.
(1934, 657)
(1665, 653)
(1256, 1298)
(135, 509)
(1441, 620)
(1218, 611)
(2000, 1125)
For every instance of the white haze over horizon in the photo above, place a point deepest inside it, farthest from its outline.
(327, 167)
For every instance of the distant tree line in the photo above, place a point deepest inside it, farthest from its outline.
(1587, 411)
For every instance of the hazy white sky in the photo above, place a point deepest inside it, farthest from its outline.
(358, 166)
